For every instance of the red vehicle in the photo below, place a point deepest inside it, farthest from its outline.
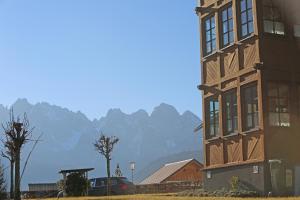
(119, 186)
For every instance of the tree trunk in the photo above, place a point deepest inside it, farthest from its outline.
(17, 176)
(108, 175)
(11, 179)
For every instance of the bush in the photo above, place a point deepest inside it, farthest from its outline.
(234, 182)
(218, 193)
(76, 185)
(243, 193)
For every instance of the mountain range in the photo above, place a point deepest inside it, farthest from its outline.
(67, 140)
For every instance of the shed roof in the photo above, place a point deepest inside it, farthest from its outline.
(75, 170)
(166, 171)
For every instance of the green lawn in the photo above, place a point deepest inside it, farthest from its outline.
(165, 197)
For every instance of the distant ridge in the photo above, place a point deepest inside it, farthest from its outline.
(68, 137)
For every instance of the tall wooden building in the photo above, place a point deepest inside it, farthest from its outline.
(250, 62)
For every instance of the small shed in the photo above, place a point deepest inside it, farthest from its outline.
(83, 171)
(181, 171)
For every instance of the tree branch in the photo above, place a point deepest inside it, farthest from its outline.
(27, 159)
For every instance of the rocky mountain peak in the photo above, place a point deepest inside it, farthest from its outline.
(164, 109)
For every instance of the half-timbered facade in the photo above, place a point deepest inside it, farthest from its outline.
(250, 61)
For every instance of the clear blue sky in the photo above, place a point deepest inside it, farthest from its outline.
(93, 55)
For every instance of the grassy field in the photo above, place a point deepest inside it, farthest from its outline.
(166, 197)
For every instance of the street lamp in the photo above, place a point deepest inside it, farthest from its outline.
(132, 168)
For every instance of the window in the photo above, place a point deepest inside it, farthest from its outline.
(289, 182)
(208, 175)
(297, 30)
(230, 112)
(213, 117)
(210, 35)
(250, 107)
(246, 16)
(113, 182)
(100, 183)
(278, 100)
(272, 18)
(227, 26)
(255, 169)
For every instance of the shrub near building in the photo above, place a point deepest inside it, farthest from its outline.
(76, 185)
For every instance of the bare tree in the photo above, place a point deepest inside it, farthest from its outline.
(9, 155)
(105, 145)
(2, 183)
(18, 132)
(29, 154)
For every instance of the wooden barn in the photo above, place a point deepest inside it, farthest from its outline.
(182, 171)
(250, 61)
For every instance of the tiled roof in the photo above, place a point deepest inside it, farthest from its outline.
(166, 171)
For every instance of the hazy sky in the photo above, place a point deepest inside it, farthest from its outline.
(93, 55)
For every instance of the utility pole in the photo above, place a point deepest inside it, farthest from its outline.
(132, 168)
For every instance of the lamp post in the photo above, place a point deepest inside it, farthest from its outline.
(132, 168)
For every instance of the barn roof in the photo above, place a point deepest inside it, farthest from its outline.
(166, 171)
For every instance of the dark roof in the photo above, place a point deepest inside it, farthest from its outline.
(75, 170)
(165, 172)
